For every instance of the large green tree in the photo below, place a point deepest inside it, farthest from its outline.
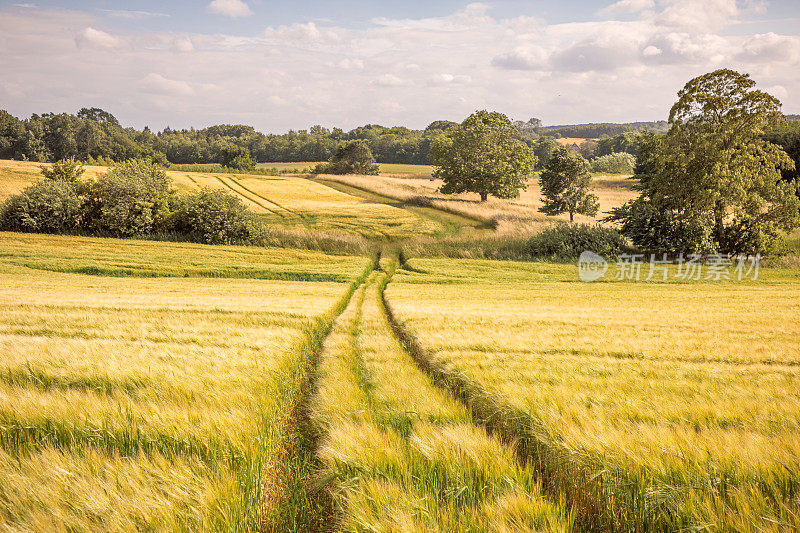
(483, 155)
(713, 173)
(565, 185)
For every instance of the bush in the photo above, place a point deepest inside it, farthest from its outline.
(216, 217)
(616, 163)
(353, 157)
(50, 206)
(134, 198)
(567, 242)
(64, 170)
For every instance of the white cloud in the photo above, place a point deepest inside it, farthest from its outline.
(229, 8)
(132, 15)
(771, 48)
(404, 71)
(627, 6)
(182, 44)
(388, 80)
(96, 38)
(348, 63)
(157, 84)
(651, 51)
(704, 16)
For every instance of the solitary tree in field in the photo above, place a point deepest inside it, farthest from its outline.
(565, 183)
(713, 183)
(483, 155)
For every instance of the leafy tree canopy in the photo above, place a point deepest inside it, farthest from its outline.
(565, 183)
(713, 176)
(483, 155)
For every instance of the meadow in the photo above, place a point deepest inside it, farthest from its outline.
(371, 383)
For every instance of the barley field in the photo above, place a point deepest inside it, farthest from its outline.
(155, 402)
(648, 405)
(175, 386)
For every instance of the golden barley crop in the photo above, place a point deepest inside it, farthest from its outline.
(150, 402)
(402, 454)
(664, 405)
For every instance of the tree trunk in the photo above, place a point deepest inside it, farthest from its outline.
(719, 222)
(571, 216)
(484, 196)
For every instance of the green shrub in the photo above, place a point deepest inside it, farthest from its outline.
(64, 170)
(353, 157)
(616, 163)
(50, 206)
(567, 242)
(134, 198)
(213, 216)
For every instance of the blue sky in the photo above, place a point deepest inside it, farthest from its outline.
(279, 64)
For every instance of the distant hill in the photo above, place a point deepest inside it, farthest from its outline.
(793, 117)
(595, 130)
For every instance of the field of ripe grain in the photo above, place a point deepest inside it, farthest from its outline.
(509, 215)
(154, 385)
(648, 406)
(289, 203)
(403, 455)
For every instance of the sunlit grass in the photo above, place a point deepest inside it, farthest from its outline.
(402, 454)
(508, 215)
(150, 403)
(677, 404)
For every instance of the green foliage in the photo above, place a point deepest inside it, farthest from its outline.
(565, 185)
(353, 157)
(65, 170)
(624, 142)
(237, 158)
(134, 198)
(787, 136)
(594, 131)
(483, 155)
(49, 206)
(543, 149)
(567, 242)
(713, 183)
(616, 163)
(212, 216)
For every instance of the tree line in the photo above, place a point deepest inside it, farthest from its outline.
(93, 135)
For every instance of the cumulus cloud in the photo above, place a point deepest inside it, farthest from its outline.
(229, 8)
(388, 80)
(394, 71)
(627, 6)
(96, 38)
(157, 84)
(705, 16)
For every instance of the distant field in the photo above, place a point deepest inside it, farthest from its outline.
(513, 215)
(655, 405)
(569, 141)
(149, 402)
(288, 202)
